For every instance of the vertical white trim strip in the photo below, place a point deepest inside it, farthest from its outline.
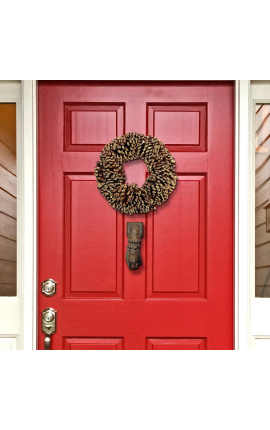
(28, 215)
(242, 215)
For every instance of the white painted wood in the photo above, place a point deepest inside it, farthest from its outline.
(8, 343)
(11, 307)
(261, 343)
(260, 307)
(260, 316)
(242, 211)
(10, 311)
(27, 213)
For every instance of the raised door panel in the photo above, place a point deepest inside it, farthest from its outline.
(93, 343)
(176, 242)
(93, 243)
(174, 344)
(88, 126)
(182, 127)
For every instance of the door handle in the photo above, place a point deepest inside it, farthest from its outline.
(47, 342)
(48, 326)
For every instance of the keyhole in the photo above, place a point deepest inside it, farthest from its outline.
(135, 172)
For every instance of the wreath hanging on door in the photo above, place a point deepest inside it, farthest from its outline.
(129, 198)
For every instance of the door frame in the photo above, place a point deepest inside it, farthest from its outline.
(242, 202)
(28, 215)
(243, 281)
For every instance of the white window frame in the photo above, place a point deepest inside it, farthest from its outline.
(243, 214)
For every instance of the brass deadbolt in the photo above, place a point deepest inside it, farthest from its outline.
(49, 287)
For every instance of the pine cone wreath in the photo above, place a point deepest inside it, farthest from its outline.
(110, 175)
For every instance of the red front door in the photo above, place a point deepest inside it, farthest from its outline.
(182, 295)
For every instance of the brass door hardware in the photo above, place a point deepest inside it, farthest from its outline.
(49, 287)
(48, 325)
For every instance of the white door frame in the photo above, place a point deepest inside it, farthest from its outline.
(28, 214)
(243, 214)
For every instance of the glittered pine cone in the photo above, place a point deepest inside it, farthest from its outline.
(110, 175)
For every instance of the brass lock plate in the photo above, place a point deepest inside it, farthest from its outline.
(49, 321)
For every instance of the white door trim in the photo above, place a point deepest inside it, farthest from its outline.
(28, 214)
(243, 214)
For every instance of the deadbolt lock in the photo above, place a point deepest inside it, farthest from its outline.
(49, 287)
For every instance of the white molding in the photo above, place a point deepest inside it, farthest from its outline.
(261, 343)
(8, 343)
(28, 216)
(242, 214)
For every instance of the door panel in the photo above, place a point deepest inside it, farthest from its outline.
(182, 295)
(85, 259)
(89, 125)
(168, 344)
(182, 126)
(92, 344)
(176, 264)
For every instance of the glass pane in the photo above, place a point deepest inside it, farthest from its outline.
(262, 200)
(8, 200)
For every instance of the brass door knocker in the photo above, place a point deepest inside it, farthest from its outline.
(134, 234)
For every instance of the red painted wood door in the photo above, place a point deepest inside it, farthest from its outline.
(182, 295)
